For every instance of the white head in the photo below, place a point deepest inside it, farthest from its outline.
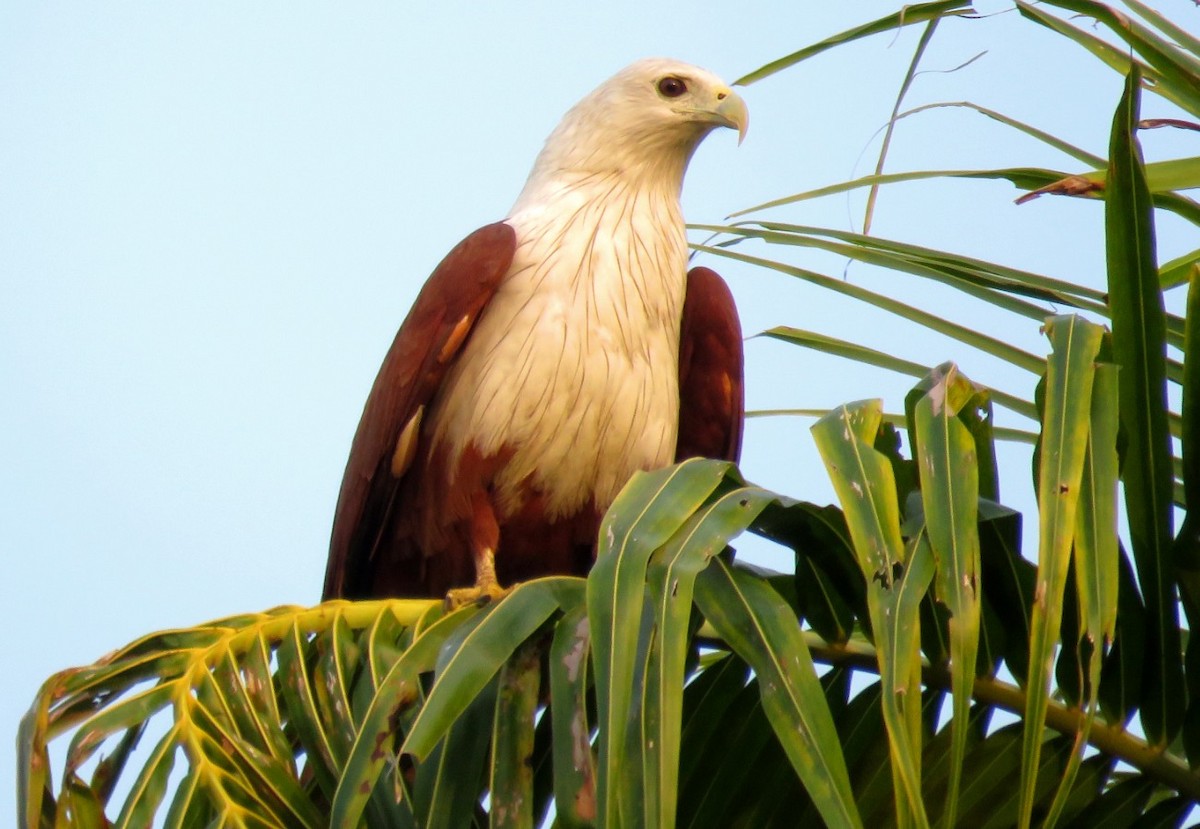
(645, 121)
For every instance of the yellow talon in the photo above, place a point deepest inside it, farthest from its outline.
(487, 587)
(479, 594)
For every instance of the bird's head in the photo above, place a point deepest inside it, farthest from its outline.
(650, 116)
(662, 98)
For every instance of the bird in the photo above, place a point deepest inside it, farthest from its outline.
(548, 358)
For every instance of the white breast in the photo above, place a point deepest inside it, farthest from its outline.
(573, 366)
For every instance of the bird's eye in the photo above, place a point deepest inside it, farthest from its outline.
(672, 87)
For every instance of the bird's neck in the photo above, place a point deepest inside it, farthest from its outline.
(603, 232)
(580, 175)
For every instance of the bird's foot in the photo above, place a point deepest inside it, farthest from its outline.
(479, 594)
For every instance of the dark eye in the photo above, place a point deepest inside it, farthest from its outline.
(672, 87)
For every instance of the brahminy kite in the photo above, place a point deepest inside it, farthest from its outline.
(548, 358)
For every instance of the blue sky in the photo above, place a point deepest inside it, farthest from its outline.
(213, 217)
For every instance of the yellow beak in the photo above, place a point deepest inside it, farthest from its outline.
(731, 111)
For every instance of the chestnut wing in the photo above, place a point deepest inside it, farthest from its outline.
(711, 385)
(428, 342)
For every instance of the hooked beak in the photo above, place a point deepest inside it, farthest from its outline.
(731, 112)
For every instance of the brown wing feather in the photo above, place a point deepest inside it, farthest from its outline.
(425, 347)
(711, 386)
